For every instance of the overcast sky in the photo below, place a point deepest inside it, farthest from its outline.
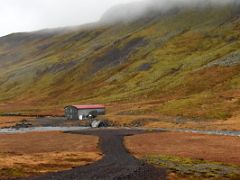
(28, 15)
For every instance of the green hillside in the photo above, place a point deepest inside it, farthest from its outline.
(185, 62)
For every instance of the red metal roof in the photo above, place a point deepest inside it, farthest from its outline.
(98, 106)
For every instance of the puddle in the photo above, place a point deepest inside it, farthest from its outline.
(209, 132)
(39, 129)
(77, 128)
(223, 133)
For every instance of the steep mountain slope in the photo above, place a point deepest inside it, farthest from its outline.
(184, 62)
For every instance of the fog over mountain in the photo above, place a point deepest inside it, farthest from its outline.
(28, 15)
(132, 11)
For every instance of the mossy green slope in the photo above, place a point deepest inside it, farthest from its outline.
(188, 59)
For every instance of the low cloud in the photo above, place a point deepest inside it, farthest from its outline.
(30, 15)
(132, 11)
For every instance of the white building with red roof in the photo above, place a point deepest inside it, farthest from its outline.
(81, 112)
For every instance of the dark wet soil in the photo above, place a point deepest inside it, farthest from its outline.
(116, 163)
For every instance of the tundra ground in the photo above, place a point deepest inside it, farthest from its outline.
(36, 153)
(189, 155)
(7, 121)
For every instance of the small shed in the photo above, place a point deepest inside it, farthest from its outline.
(81, 112)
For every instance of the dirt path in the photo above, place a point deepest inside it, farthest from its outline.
(117, 163)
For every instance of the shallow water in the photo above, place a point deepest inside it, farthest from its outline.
(39, 129)
(211, 132)
(77, 128)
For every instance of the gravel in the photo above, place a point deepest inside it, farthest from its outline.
(116, 163)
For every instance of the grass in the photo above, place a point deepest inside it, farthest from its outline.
(213, 148)
(24, 165)
(199, 106)
(36, 153)
(178, 48)
(12, 172)
(188, 155)
(189, 168)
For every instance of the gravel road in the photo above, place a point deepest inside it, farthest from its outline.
(116, 163)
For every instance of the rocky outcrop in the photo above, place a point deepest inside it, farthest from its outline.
(232, 59)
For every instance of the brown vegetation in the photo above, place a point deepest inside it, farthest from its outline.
(167, 67)
(196, 146)
(228, 124)
(7, 121)
(144, 114)
(34, 153)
